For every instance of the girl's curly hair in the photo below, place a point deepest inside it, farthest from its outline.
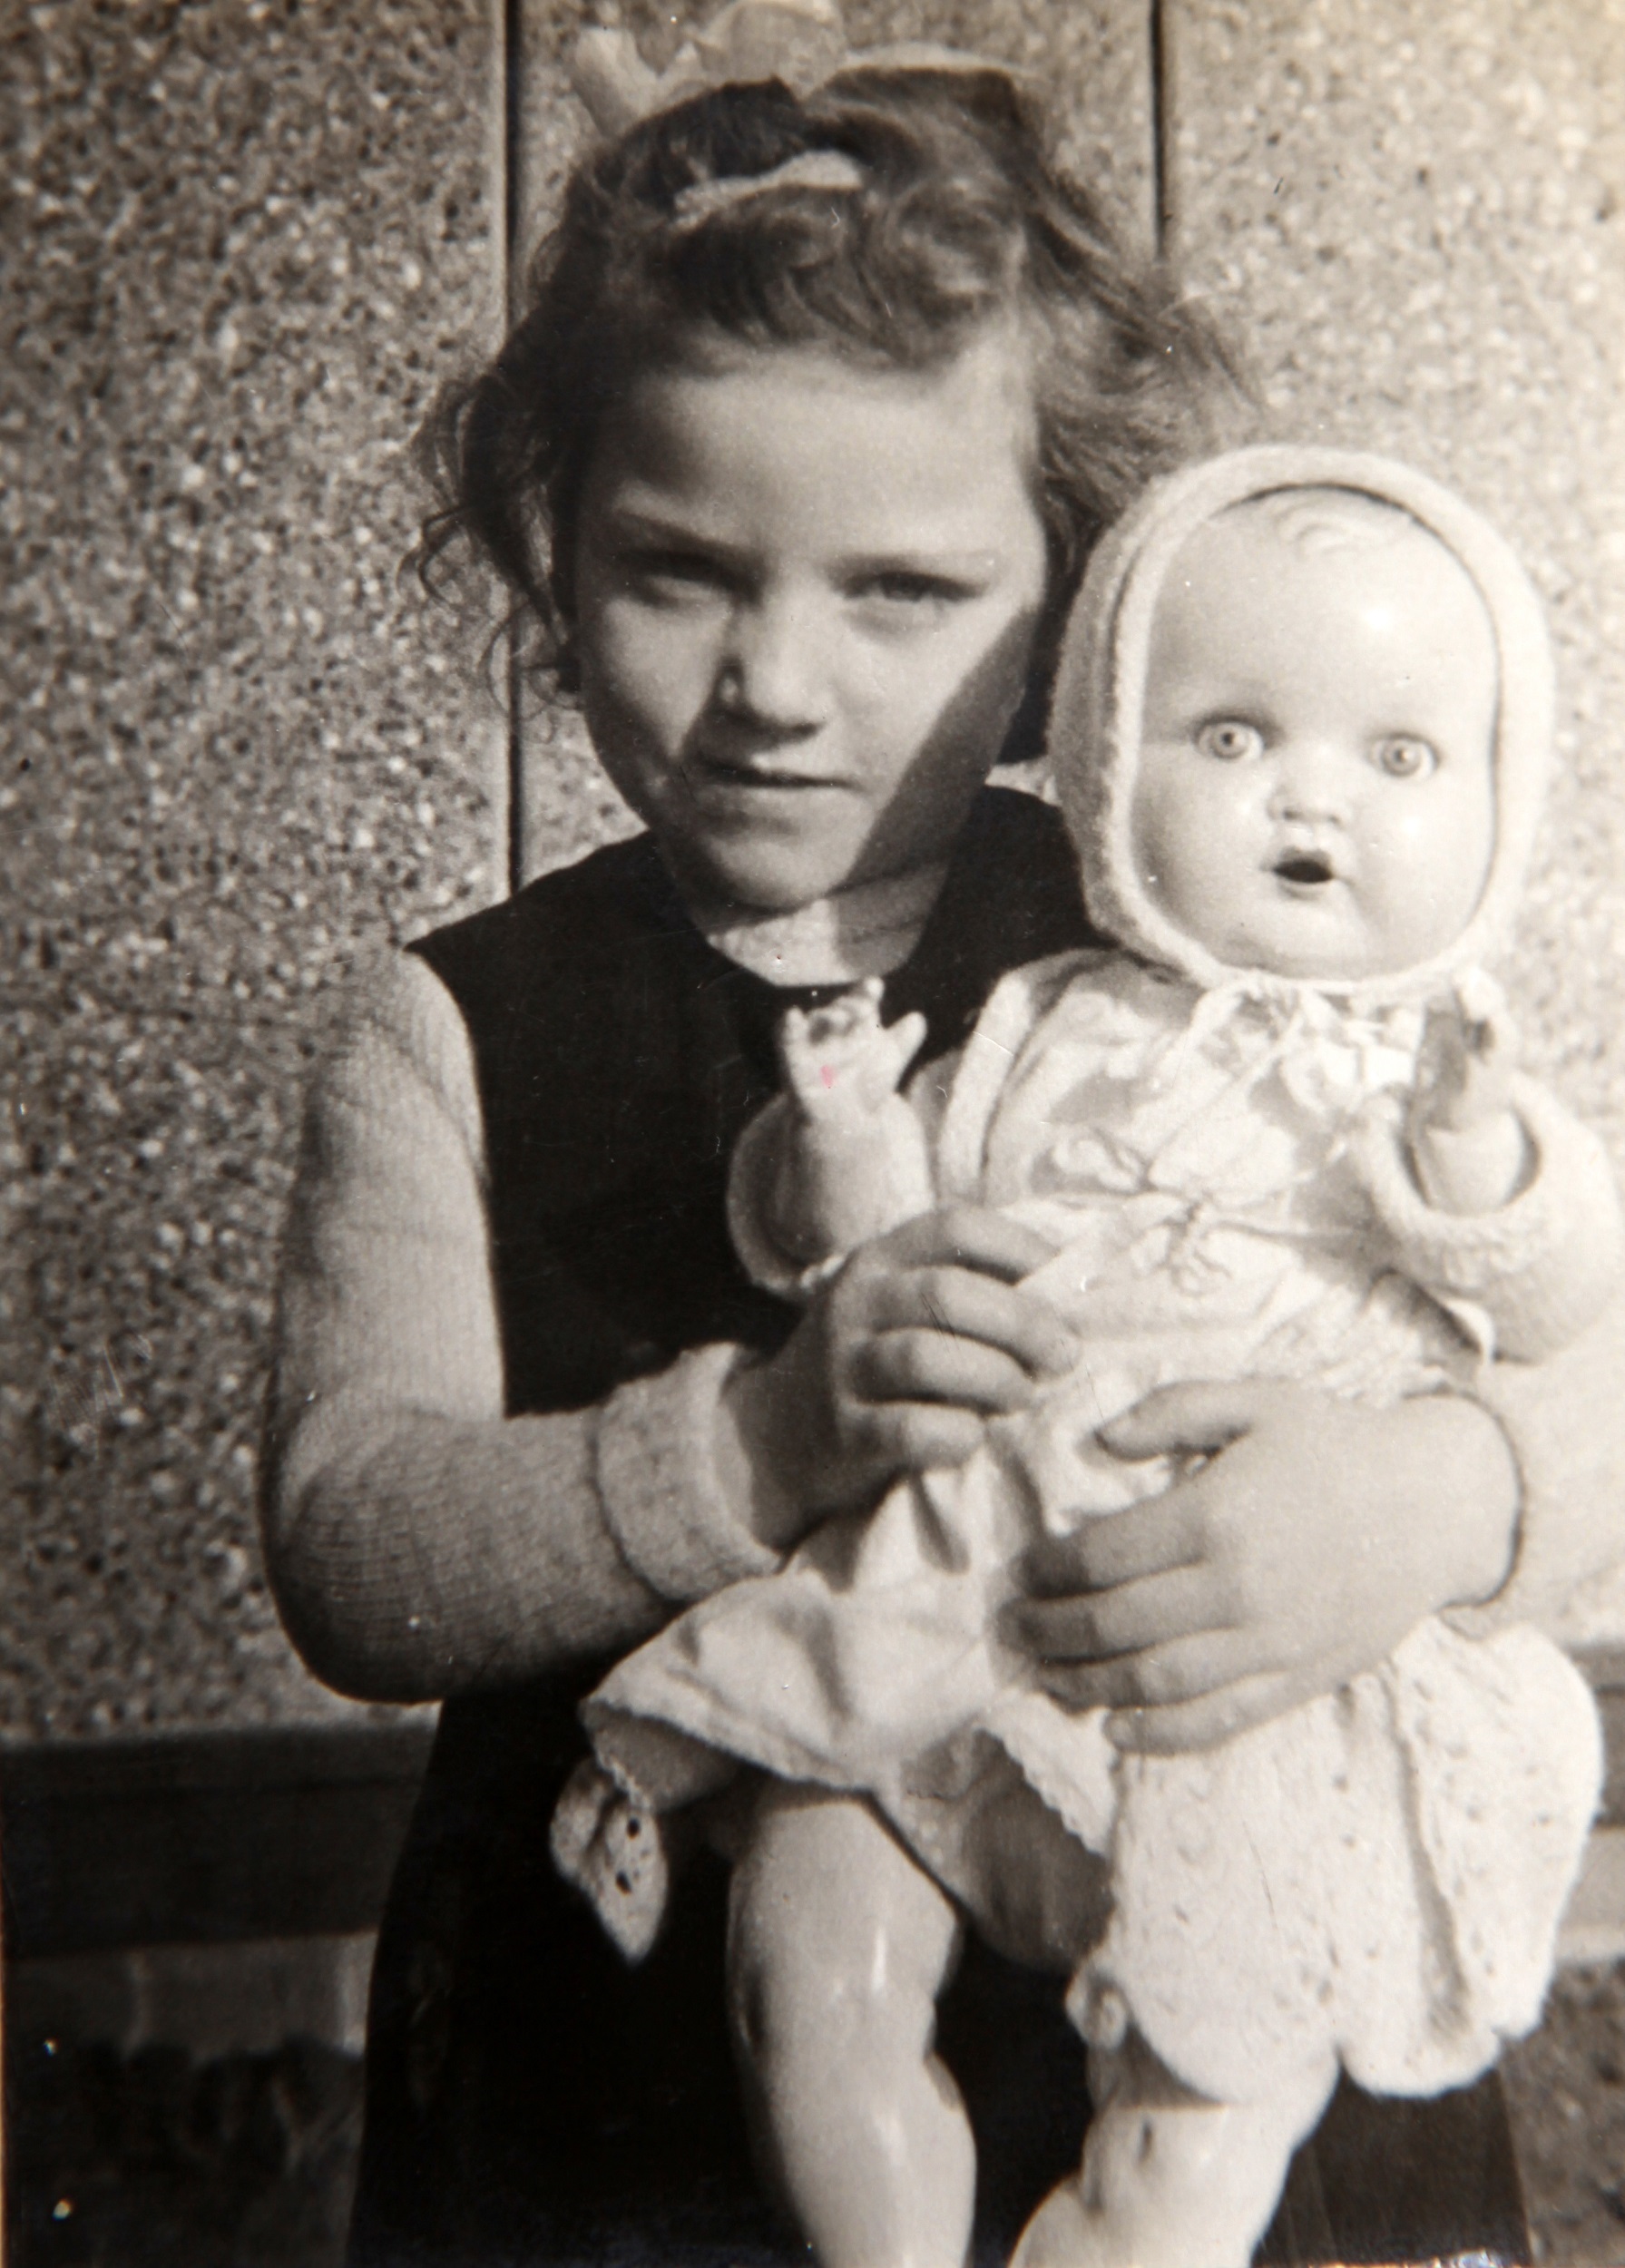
(962, 219)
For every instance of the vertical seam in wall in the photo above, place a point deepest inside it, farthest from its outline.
(510, 33)
(1161, 124)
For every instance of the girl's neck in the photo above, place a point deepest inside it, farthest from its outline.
(868, 929)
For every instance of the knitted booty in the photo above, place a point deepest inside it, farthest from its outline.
(609, 1845)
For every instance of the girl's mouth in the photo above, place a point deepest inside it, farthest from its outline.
(718, 773)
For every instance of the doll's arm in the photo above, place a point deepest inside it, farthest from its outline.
(852, 1160)
(1497, 1198)
(1469, 1149)
(840, 1158)
(418, 1541)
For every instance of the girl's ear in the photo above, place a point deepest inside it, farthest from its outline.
(563, 660)
(566, 664)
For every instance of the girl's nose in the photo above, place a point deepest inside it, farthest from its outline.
(1312, 782)
(774, 669)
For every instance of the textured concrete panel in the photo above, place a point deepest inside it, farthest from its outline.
(245, 243)
(1093, 62)
(1412, 220)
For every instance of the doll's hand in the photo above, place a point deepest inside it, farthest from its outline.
(1468, 1146)
(896, 1367)
(841, 1062)
(1313, 1534)
(1464, 1069)
(852, 1157)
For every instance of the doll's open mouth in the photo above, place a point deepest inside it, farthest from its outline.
(1305, 868)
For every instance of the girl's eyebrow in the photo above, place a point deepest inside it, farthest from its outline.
(631, 524)
(947, 566)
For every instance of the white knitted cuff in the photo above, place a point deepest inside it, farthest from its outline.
(1545, 1264)
(657, 1480)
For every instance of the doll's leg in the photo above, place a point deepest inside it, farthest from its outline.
(1169, 2179)
(838, 1945)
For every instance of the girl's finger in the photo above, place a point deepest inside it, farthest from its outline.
(1098, 1626)
(1205, 1722)
(1185, 1670)
(934, 1366)
(1152, 1538)
(955, 1302)
(965, 1236)
(925, 1436)
(1186, 1420)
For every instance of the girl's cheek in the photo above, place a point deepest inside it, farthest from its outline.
(646, 654)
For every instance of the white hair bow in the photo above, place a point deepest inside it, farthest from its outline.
(801, 42)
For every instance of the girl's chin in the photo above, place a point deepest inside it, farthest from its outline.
(763, 886)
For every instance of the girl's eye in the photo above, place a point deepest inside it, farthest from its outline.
(902, 590)
(675, 573)
(1404, 757)
(1228, 740)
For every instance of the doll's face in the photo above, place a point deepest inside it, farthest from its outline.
(804, 602)
(1316, 792)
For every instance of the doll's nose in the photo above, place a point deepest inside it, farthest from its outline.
(1312, 782)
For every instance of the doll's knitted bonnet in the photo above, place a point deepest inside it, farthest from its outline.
(1098, 700)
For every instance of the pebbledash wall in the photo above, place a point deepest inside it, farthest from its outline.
(245, 243)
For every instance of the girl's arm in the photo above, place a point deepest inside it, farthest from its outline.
(420, 1543)
(417, 1541)
(1313, 1536)
(1319, 1531)
(1565, 1421)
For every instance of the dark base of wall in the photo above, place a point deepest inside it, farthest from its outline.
(204, 1838)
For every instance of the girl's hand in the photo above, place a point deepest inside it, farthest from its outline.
(1315, 1535)
(896, 1366)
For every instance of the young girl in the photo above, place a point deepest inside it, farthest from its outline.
(822, 400)
(1301, 724)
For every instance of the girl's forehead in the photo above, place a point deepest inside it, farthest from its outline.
(739, 433)
(987, 384)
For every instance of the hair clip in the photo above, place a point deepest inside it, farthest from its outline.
(801, 42)
(829, 170)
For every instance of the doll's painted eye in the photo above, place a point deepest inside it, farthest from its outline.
(1402, 757)
(1228, 740)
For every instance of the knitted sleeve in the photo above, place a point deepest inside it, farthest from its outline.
(1564, 1419)
(420, 1543)
(1548, 1272)
(1542, 1267)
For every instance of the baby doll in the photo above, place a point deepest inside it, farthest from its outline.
(1300, 732)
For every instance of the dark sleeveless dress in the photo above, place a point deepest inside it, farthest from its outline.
(530, 2098)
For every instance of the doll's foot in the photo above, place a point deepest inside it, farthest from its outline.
(840, 1061)
(1078, 2227)
(1169, 2179)
(1064, 2234)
